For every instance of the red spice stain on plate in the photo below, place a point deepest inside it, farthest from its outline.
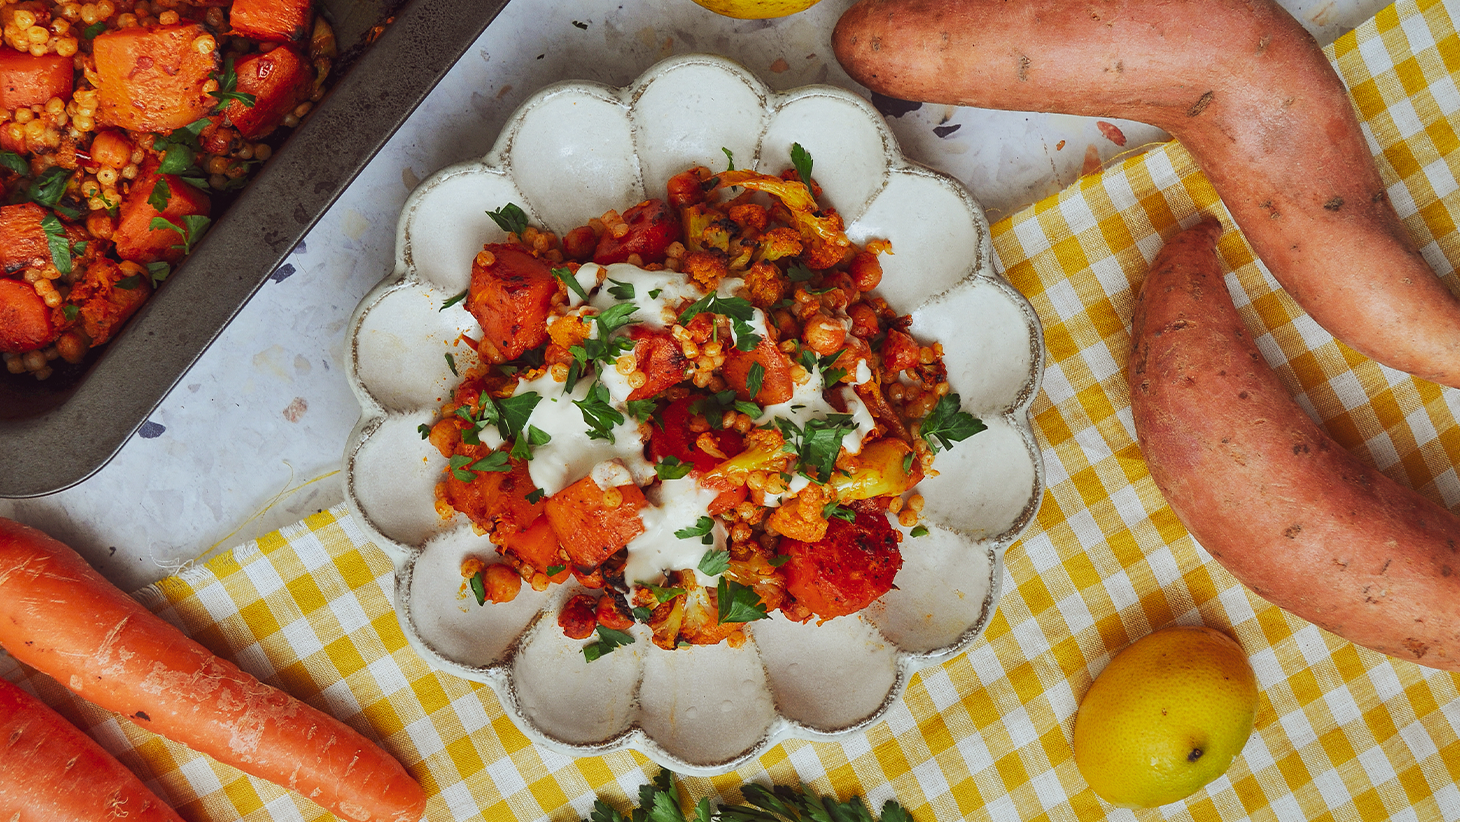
(1111, 131)
(296, 409)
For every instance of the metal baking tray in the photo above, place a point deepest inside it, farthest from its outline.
(57, 432)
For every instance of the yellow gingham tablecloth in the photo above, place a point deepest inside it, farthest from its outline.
(1342, 733)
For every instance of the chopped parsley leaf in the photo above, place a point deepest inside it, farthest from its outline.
(598, 414)
(671, 468)
(479, 587)
(703, 528)
(641, 409)
(228, 88)
(801, 159)
(946, 424)
(453, 301)
(621, 291)
(510, 218)
(533, 438)
(14, 162)
(918, 531)
(714, 563)
(608, 640)
(451, 363)
(754, 378)
(57, 241)
(738, 603)
(566, 277)
(532, 497)
(833, 509)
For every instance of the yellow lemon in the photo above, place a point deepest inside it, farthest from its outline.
(1166, 717)
(757, 9)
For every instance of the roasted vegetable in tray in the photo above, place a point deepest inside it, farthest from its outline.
(125, 125)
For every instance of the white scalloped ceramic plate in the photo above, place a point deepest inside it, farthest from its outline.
(570, 153)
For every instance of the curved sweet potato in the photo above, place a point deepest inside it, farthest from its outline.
(1244, 88)
(1299, 520)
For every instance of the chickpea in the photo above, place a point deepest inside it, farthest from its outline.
(824, 335)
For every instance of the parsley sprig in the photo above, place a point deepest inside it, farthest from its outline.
(738, 603)
(510, 218)
(600, 416)
(738, 310)
(659, 802)
(817, 444)
(608, 640)
(703, 528)
(946, 424)
(228, 88)
(603, 348)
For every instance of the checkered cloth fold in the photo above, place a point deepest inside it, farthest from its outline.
(1342, 733)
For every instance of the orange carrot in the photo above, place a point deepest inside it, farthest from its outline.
(52, 772)
(592, 523)
(61, 617)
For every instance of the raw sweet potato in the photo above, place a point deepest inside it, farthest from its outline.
(279, 80)
(27, 80)
(61, 617)
(1244, 88)
(271, 20)
(151, 78)
(1303, 523)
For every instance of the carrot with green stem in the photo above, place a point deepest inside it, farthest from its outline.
(61, 617)
(52, 772)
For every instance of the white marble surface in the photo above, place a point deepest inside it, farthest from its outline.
(252, 437)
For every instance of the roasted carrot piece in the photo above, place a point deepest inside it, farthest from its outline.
(136, 239)
(592, 522)
(22, 240)
(152, 78)
(27, 80)
(279, 80)
(25, 321)
(50, 770)
(275, 21)
(60, 616)
(511, 294)
(775, 386)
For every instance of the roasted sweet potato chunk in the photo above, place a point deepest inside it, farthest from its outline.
(276, 21)
(593, 522)
(22, 240)
(279, 80)
(137, 240)
(152, 78)
(511, 294)
(27, 80)
(25, 321)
